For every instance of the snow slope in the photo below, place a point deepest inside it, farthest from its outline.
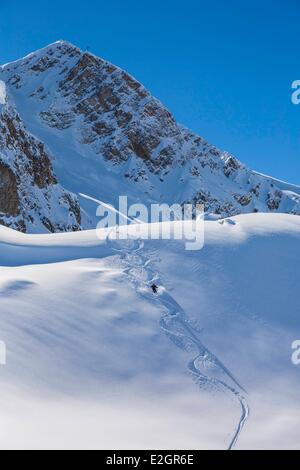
(96, 360)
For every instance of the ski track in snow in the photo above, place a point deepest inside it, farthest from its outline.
(178, 327)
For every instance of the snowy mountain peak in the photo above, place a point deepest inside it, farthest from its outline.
(105, 135)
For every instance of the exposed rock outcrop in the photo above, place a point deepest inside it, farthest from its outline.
(30, 197)
(9, 197)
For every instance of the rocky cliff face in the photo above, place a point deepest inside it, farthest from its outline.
(109, 137)
(30, 197)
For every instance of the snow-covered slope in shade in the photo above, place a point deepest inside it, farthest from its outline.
(108, 137)
(96, 360)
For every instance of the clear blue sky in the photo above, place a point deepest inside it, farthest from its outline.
(223, 67)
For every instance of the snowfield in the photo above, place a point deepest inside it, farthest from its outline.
(96, 360)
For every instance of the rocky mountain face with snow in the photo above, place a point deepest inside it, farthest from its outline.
(71, 122)
(30, 196)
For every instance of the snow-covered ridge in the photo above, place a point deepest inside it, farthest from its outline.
(108, 136)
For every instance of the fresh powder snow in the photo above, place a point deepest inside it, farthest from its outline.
(205, 362)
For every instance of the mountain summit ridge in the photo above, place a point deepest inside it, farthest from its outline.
(105, 135)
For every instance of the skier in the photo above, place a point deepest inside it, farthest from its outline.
(154, 288)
